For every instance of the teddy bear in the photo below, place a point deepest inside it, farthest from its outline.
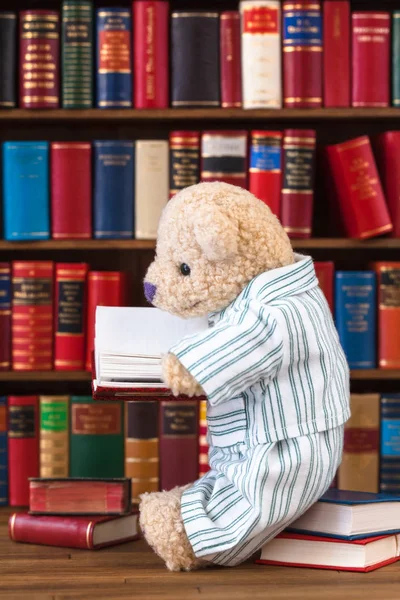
(270, 365)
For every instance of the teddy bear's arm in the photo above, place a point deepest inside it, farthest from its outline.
(177, 378)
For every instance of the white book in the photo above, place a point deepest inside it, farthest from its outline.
(261, 53)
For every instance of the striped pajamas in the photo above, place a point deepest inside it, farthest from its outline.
(277, 386)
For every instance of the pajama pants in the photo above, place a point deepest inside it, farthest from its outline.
(253, 492)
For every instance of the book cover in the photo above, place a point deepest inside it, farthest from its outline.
(230, 59)
(179, 461)
(26, 191)
(359, 469)
(297, 202)
(337, 53)
(3, 452)
(302, 54)
(204, 467)
(71, 190)
(390, 444)
(184, 160)
(355, 311)
(114, 58)
(151, 186)
(113, 193)
(325, 272)
(265, 170)
(96, 439)
(224, 157)
(23, 447)
(261, 38)
(77, 53)
(387, 154)
(195, 76)
(39, 49)
(54, 436)
(8, 66)
(388, 283)
(151, 53)
(32, 315)
(354, 176)
(142, 463)
(396, 58)
(370, 59)
(5, 316)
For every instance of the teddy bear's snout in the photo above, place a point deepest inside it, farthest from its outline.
(149, 291)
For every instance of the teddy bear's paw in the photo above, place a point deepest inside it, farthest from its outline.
(177, 378)
(162, 526)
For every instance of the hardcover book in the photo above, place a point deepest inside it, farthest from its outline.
(389, 444)
(230, 59)
(224, 157)
(5, 316)
(54, 436)
(325, 271)
(8, 66)
(204, 467)
(337, 53)
(387, 153)
(396, 58)
(3, 452)
(184, 160)
(265, 171)
(388, 282)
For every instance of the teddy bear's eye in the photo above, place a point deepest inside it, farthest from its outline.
(185, 269)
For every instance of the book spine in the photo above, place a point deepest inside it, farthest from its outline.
(370, 59)
(302, 54)
(396, 58)
(32, 316)
(195, 78)
(355, 310)
(325, 272)
(178, 443)
(390, 448)
(113, 189)
(3, 452)
(151, 53)
(39, 59)
(77, 53)
(69, 325)
(230, 60)
(23, 447)
(104, 288)
(204, 467)
(358, 188)
(184, 160)
(261, 37)
(151, 186)
(299, 147)
(142, 447)
(114, 70)
(265, 171)
(51, 530)
(26, 191)
(97, 438)
(71, 190)
(54, 436)
(336, 56)
(387, 154)
(224, 157)
(5, 316)
(8, 67)
(359, 469)
(388, 314)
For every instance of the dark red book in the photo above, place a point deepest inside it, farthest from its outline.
(39, 85)
(69, 323)
(370, 59)
(230, 59)
(71, 190)
(88, 533)
(387, 153)
(337, 53)
(150, 53)
(23, 446)
(325, 272)
(184, 160)
(265, 171)
(5, 316)
(298, 182)
(179, 443)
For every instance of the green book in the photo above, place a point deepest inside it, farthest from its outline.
(396, 58)
(77, 54)
(97, 438)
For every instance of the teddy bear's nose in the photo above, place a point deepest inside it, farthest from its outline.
(149, 291)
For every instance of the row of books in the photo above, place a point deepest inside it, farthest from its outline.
(146, 57)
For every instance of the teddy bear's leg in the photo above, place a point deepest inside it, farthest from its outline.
(162, 525)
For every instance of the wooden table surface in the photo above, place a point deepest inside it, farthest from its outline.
(133, 571)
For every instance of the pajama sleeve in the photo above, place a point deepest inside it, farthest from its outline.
(243, 347)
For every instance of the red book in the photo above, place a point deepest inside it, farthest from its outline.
(302, 54)
(179, 446)
(336, 53)
(105, 288)
(298, 182)
(71, 190)
(184, 160)
(204, 466)
(358, 188)
(371, 58)
(387, 152)
(88, 533)
(39, 85)
(69, 325)
(23, 446)
(230, 59)
(325, 272)
(388, 285)
(150, 53)
(32, 315)
(5, 316)
(265, 171)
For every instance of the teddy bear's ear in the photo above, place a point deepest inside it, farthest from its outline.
(215, 232)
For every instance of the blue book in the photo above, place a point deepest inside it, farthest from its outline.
(355, 316)
(3, 452)
(26, 191)
(389, 480)
(114, 62)
(113, 196)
